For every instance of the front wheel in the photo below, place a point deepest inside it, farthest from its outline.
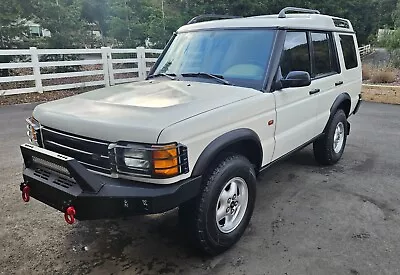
(330, 147)
(217, 219)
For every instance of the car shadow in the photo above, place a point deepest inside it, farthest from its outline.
(155, 243)
(149, 244)
(304, 157)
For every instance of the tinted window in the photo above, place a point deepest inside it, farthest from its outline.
(296, 55)
(325, 62)
(349, 51)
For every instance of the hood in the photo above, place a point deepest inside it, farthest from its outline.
(136, 111)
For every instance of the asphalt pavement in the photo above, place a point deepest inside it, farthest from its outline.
(308, 219)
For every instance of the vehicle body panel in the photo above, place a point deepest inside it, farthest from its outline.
(136, 112)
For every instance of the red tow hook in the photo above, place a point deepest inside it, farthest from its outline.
(69, 215)
(25, 193)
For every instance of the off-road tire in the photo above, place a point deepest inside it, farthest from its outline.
(324, 152)
(198, 216)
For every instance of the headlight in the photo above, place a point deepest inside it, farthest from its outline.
(136, 157)
(160, 161)
(33, 133)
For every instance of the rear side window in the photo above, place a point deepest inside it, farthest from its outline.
(324, 57)
(349, 51)
(296, 55)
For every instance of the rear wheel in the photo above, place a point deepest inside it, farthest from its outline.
(217, 219)
(330, 147)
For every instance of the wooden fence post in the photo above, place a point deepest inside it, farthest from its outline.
(36, 69)
(141, 57)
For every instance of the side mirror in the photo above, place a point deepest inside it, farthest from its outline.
(296, 79)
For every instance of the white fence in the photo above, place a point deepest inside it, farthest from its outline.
(365, 50)
(97, 67)
(103, 67)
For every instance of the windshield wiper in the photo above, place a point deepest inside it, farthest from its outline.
(170, 76)
(220, 78)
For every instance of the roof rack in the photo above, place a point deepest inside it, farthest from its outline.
(211, 16)
(282, 13)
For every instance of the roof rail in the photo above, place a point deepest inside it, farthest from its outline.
(212, 16)
(282, 13)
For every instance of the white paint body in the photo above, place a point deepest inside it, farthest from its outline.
(195, 114)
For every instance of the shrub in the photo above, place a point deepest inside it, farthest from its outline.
(395, 58)
(366, 72)
(383, 75)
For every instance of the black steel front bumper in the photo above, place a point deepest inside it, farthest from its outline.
(61, 182)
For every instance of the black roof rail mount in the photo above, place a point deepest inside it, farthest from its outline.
(282, 13)
(341, 23)
(211, 16)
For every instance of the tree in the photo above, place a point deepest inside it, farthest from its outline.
(63, 19)
(96, 11)
(13, 31)
(385, 10)
(396, 15)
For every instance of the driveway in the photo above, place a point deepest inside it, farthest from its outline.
(308, 219)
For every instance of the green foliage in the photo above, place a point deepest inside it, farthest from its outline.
(391, 39)
(396, 15)
(129, 23)
(63, 19)
(97, 12)
(13, 32)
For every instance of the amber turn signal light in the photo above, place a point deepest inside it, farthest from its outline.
(165, 161)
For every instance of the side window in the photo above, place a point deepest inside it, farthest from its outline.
(349, 51)
(295, 55)
(324, 57)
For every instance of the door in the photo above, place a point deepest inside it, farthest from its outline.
(326, 75)
(295, 107)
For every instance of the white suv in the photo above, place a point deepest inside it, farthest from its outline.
(225, 100)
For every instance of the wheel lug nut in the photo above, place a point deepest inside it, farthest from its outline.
(229, 200)
(227, 210)
(234, 197)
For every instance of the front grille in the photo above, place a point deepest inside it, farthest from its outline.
(91, 153)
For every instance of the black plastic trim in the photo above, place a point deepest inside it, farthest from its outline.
(276, 55)
(358, 105)
(219, 144)
(289, 154)
(161, 56)
(341, 98)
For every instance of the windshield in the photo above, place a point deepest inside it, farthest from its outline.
(239, 56)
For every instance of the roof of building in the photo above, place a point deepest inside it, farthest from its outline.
(292, 21)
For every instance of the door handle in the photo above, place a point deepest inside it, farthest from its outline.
(339, 83)
(315, 91)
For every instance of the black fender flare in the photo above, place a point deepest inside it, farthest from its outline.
(222, 142)
(339, 100)
(335, 106)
